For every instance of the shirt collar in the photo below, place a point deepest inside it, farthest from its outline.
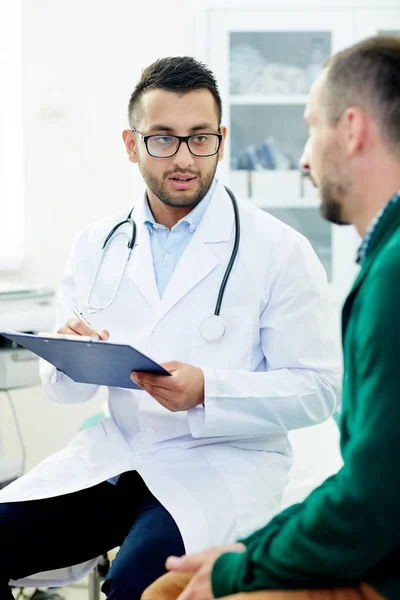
(148, 218)
(369, 234)
(192, 219)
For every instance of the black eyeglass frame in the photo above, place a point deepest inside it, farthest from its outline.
(181, 139)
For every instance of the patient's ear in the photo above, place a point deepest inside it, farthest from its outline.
(354, 127)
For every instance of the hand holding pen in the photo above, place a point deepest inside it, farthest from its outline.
(81, 326)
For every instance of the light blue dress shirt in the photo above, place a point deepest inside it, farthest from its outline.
(167, 245)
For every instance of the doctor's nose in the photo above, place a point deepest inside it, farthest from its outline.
(183, 158)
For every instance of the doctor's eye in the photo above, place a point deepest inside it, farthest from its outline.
(163, 140)
(200, 139)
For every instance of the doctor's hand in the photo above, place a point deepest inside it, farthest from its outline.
(76, 327)
(182, 391)
(202, 565)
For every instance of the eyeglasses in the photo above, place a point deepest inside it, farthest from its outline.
(165, 146)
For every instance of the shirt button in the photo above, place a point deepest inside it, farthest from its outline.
(158, 328)
(192, 228)
(167, 257)
(139, 460)
(151, 430)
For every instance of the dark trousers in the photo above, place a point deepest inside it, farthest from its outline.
(42, 535)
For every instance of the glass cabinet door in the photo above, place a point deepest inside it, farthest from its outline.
(265, 62)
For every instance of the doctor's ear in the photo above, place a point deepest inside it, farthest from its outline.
(130, 144)
(222, 146)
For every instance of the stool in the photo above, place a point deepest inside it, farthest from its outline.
(96, 576)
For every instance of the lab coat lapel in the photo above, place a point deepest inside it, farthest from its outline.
(198, 259)
(141, 268)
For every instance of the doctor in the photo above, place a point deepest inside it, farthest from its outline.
(199, 458)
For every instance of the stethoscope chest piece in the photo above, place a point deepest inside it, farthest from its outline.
(212, 328)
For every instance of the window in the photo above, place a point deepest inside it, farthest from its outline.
(11, 136)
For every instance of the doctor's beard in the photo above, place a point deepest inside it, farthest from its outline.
(179, 199)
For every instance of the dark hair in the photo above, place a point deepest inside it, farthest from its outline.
(367, 74)
(179, 74)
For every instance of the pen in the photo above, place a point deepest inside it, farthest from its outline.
(80, 316)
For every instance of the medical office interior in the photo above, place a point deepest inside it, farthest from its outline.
(67, 70)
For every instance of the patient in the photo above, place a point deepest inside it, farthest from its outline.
(343, 541)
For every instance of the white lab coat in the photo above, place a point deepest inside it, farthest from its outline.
(219, 469)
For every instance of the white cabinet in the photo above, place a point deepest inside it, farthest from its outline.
(265, 55)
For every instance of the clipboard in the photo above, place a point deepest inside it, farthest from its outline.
(89, 361)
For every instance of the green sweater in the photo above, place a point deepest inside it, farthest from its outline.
(348, 529)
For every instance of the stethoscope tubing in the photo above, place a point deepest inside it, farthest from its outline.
(131, 242)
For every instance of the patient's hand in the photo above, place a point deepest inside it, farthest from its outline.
(194, 562)
(202, 564)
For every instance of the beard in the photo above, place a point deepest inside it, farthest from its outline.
(180, 199)
(334, 188)
(331, 202)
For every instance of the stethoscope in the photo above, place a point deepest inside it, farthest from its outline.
(213, 326)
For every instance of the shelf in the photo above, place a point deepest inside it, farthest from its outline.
(274, 189)
(270, 99)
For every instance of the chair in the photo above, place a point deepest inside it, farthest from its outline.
(96, 576)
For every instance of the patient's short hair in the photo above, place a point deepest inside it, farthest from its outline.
(368, 75)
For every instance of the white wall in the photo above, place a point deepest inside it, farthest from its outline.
(81, 61)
